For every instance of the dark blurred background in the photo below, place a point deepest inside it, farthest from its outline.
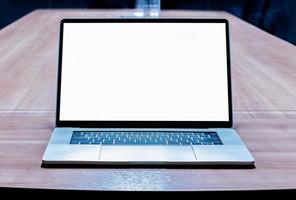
(277, 17)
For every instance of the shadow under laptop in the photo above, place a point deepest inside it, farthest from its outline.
(145, 166)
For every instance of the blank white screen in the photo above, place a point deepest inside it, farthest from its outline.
(144, 72)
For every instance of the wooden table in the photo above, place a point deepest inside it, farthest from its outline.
(264, 96)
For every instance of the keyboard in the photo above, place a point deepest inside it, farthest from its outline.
(145, 138)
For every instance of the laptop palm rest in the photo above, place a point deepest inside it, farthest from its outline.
(146, 153)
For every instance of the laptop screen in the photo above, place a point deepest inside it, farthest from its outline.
(144, 72)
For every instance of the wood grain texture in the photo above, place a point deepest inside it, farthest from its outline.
(263, 66)
(272, 143)
(264, 97)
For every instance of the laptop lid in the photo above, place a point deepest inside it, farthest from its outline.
(144, 73)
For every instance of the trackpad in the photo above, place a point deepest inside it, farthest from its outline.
(147, 153)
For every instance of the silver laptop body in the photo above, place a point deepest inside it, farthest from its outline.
(145, 92)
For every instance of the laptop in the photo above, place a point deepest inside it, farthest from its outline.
(144, 92)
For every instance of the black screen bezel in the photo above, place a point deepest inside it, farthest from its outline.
(144, 124)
